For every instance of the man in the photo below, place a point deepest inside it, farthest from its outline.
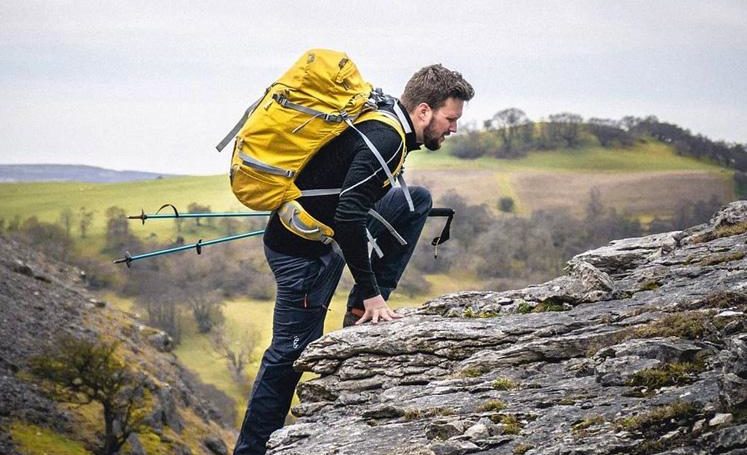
(308, 272)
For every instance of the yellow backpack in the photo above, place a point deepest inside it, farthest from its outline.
(318, 98)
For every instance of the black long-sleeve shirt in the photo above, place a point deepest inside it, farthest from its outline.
(345, 162)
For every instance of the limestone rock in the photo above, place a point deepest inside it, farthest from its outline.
(473, 372)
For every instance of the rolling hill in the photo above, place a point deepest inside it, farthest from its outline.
(645, 181)
(70, 172)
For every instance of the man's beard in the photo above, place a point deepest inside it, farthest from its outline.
(430, 139)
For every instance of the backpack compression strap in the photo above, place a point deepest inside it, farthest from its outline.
(235, 130)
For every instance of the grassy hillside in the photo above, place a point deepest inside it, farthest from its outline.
(481, 180)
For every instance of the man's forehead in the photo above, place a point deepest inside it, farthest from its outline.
(452, 106)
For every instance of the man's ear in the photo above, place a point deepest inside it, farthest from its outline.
(423, 112)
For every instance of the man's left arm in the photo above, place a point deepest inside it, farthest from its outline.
(361, 189)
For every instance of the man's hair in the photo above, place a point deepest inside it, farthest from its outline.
(433, 85)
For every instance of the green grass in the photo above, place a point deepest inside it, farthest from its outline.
(36, 440)
(197, 353)
(46, 200)
(644, 157)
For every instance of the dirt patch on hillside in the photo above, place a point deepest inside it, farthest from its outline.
(637, 193)
(476, 186)
(654, 192)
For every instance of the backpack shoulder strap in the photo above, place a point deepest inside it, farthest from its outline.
(392, 121)
(399, 125)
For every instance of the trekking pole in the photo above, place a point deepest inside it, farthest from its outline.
(145, 216)
(128, 259)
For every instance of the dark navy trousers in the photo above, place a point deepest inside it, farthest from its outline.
(305, 287)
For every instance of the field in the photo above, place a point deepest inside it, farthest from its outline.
(645, 181)
(628, 179)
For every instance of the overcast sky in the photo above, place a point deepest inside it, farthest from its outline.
(154, 85)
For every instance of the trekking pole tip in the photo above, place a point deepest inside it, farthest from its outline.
(127, 259)
(142, 217)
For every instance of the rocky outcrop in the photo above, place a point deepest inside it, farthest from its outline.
(640, 348)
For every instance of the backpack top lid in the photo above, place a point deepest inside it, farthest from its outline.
(326, 75)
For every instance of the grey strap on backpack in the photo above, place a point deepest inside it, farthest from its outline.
(377, 216)
(264, 167)
(327, 117)
(374, 245)
(395, 182)
(320, 192)
(235, 130)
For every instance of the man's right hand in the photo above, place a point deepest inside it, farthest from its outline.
(377, 309)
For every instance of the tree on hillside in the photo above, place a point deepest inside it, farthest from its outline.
(468, 144)
(594, 208)
(81, 372)
(118, 235)
(194, 207)
(688, 213)
(603, 224)
(566, 127)
(228, 225)
(47, 237)
(236, 351)
(507, 124)
(178, 222)
(67, 219)
(609, 132)
(506, 204)
(85, 219)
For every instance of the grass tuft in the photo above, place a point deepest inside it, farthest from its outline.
(36, 440)
(414, 413)
(521, 449)
(669, 374)
(579, 428)
(504, 384)
(492, 405)
(659, 417)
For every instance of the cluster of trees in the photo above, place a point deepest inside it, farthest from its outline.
(507, 251)
(511, 134)
(502, 249)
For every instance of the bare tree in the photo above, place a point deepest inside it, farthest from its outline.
(228, 225)
(118, 235)
(194, 207)
(237, 351)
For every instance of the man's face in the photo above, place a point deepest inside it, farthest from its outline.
(442, 123)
